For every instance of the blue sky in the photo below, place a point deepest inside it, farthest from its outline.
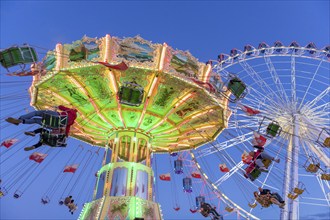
(205, 28)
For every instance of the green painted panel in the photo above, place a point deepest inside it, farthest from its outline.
(184, 63)
(149, 121)
(163, 126)
(131, 49)
(131, 118)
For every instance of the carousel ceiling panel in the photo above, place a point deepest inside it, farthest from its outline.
(131, 118)
(156, 95)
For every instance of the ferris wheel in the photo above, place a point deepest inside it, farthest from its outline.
(279, 99)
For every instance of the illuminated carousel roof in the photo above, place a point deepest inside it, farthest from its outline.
(132, 85)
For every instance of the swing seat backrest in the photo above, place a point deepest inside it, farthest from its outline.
(325, 176)
(266, 162)
(52, 140)
(273, 129)
(255, 173)
(52, 121)
(313, 168)
(131, 96)
(229, 209)
(253, 205)
(292, 196)
(298, 190)
(237, 87)
(326, 142)
(17, 55)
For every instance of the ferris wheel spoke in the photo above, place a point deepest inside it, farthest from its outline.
(260, 82)
(255, 77)
(310, 198)
(320, 154)
(323, 190)
(316, 99)
(232, 171)
(276, 78)
(256, 102)
(242, 124)
(225, 145)
(310, 83)
(321, 118)
(271, 106)
(328, 186)
(293, 80)
(315, 204)
(318, 110)
(324, 107)
(307, 151)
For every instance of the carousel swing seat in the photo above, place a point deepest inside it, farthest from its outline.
(313, 168)
(54, 122)
(273, 129)
(312, 164)
(252, 205)
(52, 139)
(3, 192)
(298, 191)
(199, 200)
(17, 194)
(325, 176)
(255, 173)
(292, 196)
(229, 209)
(324, 138)
(131, 94)
(178, 166)
(17, 55)
(187, 185)
(237, 87)
(326, 142)
(45, 200)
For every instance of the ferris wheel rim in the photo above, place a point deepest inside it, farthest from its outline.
(242, 56)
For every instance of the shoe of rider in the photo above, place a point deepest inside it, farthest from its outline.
(30, 133)
(263, 169)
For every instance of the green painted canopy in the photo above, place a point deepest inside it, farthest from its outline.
(168, 105)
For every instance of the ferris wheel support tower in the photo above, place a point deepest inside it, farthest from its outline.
(291, 174)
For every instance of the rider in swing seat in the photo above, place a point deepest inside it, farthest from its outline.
(259, 156)
(53, 138)
(207, 209)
